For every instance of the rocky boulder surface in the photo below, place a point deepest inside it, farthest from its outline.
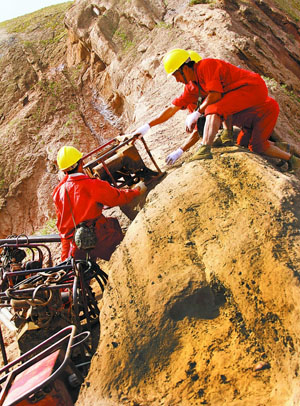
(203, 299)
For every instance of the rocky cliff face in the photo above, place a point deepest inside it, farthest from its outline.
(206, 283)
(83, 71)
(128, 41)
(43, 105)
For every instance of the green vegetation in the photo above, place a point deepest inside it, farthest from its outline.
(272, 84)
(55, 39)
(193, 2)
(291, 7)
(290, 93)
(39, 18)
(2, 181)
(49, 228)
(163, 25)
(71, 120)
(126, 42)
(74, 73)
(50, 88)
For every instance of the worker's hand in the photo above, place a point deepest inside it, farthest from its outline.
(121, 138)
(141, 187)
(191, 121)
(141, 130)
(171, 158)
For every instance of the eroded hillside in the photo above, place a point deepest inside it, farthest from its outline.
(206, 283)
(43, 105)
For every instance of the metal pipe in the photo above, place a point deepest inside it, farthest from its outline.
(97, 149)
(108, 153)
(150, 155)
(31, 290)
(4, 356)
(31, 239)
(36, 271)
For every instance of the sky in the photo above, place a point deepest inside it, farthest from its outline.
(15, 8)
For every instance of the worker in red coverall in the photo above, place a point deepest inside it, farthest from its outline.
(229, 94)
(87, 197)
(188, 100)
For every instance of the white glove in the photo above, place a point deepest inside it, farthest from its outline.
(142, 130)
(171, 158)
(141, 185)
(191, 121)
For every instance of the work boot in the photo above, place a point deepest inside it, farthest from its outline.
(283, 145)
(293, 163)
(217, 141)
(204, 152)
(226, 138)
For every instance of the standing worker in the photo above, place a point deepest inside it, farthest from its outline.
(230, 94)
(79, 198)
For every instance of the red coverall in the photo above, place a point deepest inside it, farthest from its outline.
(87, 198)
(244, 97)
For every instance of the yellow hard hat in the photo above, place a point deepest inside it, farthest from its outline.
(68, 156)
(177, 57)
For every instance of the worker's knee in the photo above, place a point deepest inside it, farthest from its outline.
(259, 147)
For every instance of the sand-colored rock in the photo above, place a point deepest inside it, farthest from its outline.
(204, 286)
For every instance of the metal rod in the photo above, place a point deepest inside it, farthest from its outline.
(108, 153)
(98, 149)
(4, 356)
(31, 239)
(150, 155)
(108, 172)
(31, 290)
(44, 270)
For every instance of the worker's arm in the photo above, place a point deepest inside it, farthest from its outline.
(192, 139)
(191, 120)
(164, 116)
(102, 192)
(212, 97)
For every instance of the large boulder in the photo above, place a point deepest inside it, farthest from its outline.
(202, 305)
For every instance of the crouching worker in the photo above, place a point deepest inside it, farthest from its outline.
(79, 198)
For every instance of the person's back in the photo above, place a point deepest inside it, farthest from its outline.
(79, 198)
(214, 72)
(87, 197)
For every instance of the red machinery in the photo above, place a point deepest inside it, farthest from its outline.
(120, 163)
(45, 375)
(39, 300)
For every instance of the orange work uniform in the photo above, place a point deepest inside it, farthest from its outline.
(87, 198)
(244, 97)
